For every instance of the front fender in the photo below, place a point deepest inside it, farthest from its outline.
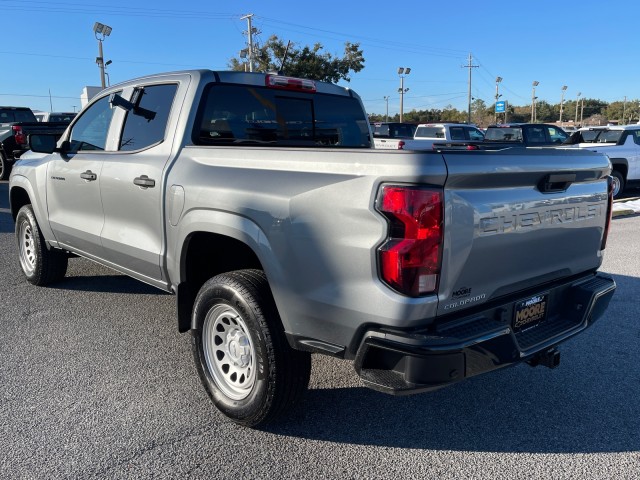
(37, 199)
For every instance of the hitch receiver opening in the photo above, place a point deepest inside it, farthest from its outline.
(549, 358)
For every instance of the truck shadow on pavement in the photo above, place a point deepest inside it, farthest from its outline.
(589, 404)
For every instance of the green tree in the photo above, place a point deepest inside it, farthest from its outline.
(306, 62)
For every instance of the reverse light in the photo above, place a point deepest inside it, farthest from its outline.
(290, 83)
(20, 137)
(410, 258)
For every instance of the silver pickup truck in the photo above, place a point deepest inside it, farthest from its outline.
(259, 201)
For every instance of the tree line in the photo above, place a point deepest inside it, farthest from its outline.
(589, 112)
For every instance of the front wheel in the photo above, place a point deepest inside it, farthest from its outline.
(40, 265)
(240, 350)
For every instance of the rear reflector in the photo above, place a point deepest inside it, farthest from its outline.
(290, 83)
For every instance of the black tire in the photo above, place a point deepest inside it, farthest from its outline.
(240, 350)
(40, 265)
(4, 168)
(618, 183)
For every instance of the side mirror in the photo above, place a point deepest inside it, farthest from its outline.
(43, 143)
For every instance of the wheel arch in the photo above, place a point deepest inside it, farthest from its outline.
(621, 165)
(213, 242)
(21, 193)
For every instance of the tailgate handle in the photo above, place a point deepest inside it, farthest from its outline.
(556, 182)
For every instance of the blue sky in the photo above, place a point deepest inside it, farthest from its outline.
(48, 47)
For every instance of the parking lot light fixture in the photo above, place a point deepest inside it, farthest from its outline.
(533, 101)
(101, 31)
(564, 89)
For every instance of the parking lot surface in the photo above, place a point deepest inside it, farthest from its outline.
(98, 383)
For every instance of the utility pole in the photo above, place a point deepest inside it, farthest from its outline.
(250, 31)
(386, 117)
(469, 65)
(624, 109)
(495, 109)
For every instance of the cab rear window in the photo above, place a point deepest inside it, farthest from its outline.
(243, 115)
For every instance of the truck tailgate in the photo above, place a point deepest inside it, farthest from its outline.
(515, 222)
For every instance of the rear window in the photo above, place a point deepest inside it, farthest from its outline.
(430, 132)
(608, 136)
(241, 115)
(10, 115)
(62, 117)
(504, 134)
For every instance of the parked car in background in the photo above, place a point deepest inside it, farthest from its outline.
(621, 143)
(392, 135)
(427, 133)
(55, 116)
(507, 135)
(16, 124)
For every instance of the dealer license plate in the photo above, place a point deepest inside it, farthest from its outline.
(530, 312)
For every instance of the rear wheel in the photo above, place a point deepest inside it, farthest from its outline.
(40, 265)
(618, 183)
(240, 350)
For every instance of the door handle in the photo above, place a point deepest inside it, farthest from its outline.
(144, 181)
(89, 176)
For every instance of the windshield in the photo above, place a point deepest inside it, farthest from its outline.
(243, 115)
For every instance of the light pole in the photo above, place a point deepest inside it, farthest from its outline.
(581, 110)
(101, 31)
(577, 101)
(564, 89)
(533, 100)
(386, 116)
(495, 108)
(402, 71)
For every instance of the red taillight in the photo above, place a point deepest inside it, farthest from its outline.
(290, 83)
(605, 235)
(21, 138)
(401, 145)
(410, 258)
(473, 147)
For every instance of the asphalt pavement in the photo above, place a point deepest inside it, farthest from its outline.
(96, 382)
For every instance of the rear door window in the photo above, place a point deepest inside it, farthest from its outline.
(243, 115)
(144, 130)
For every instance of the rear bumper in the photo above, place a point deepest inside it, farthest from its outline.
(402, 362)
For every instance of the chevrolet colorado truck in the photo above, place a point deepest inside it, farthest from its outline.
(621, 143)
(259, 201)
(16, 124)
